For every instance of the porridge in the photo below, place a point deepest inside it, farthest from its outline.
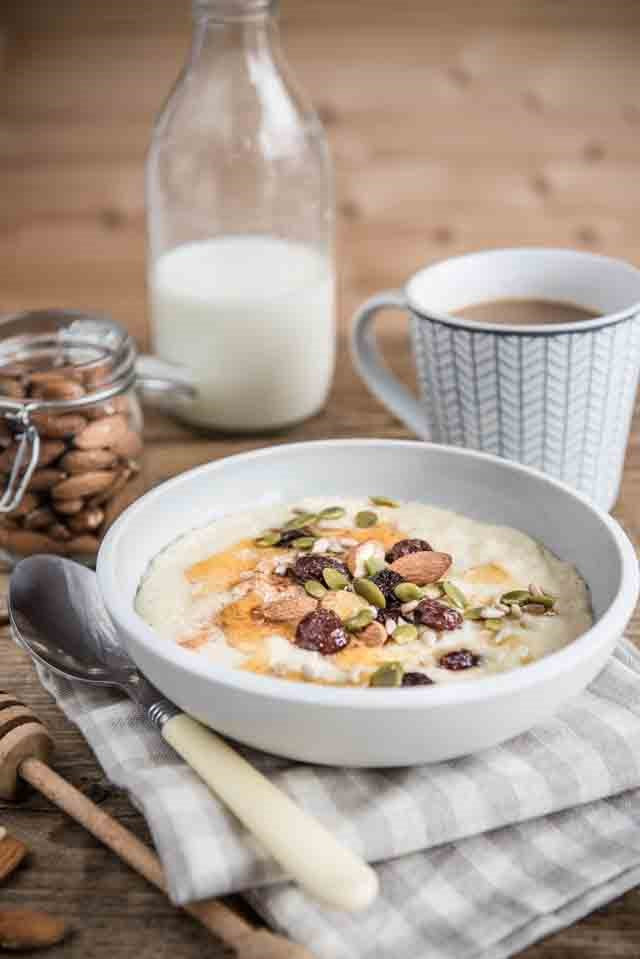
(373, 593)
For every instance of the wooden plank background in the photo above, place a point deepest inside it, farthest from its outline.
(454, 126)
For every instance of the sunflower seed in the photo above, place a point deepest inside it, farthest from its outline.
(409, 607)
(320, 546)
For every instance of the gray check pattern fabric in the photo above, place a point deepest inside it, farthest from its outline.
(477, 857)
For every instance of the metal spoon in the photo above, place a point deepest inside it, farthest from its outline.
(57, 614)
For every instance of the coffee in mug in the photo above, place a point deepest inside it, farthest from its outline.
(530, 354)
(526, 312)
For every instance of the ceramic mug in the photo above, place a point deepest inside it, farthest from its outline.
(556, 397)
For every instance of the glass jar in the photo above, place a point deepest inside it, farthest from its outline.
(240, 219)
(70, 432)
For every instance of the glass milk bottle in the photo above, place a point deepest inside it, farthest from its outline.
(240, 216)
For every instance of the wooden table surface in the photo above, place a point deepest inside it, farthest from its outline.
(454, 126)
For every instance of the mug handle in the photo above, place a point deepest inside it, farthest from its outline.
(374, 371)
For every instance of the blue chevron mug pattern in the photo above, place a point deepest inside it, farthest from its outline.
(559, 398)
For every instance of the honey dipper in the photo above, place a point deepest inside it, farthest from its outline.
(25, 749)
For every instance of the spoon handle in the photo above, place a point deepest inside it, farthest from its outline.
(303, 847)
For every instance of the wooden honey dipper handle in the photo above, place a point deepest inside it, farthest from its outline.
(25, 744)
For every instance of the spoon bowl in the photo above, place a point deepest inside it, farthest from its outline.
(57, 614)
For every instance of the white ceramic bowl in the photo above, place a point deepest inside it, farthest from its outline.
(372, 727)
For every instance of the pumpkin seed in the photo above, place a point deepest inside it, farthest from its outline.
(390, 674)
(404, 634)
(331, 512)
(334, 578)
(546, 600)
(495, 625)
(303, 542)
(374, 565)
(302, 519)
(456, 595)
(474, 612)
(366, 518)
(270, 538)
(360, 621)
(408, 591)
(516, 596)
(370, 592)
(384, 501)
(315, 588)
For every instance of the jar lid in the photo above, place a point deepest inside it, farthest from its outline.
(67, 343)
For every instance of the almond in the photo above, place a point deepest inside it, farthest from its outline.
(422, 568)
(85, 545)
(61, 427)
(39, 518)
(102, 432)
(373, 635)
(128, 446)
(86, 520)
(57, 388)
(22, 929)
(11, 387)
(12, 852)
(83, 461)
(68, 507)
(118, 484)
(26, 542)
(83, 484)
(45, 478)
(28, 502)
(358, 555)
(289, 609)
(59, 531)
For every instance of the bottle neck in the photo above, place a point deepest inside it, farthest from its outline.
(234, 11)
(249, 25)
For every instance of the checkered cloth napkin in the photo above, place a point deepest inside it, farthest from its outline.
(479, 856)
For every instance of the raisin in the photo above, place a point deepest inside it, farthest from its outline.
(459, 659)
(436, 615)
(416, 679)
(288, 535)
(321, 631)
(406, 546)
(386, 581)
(311, 566)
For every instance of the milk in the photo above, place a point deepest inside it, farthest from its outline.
(252, 317)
